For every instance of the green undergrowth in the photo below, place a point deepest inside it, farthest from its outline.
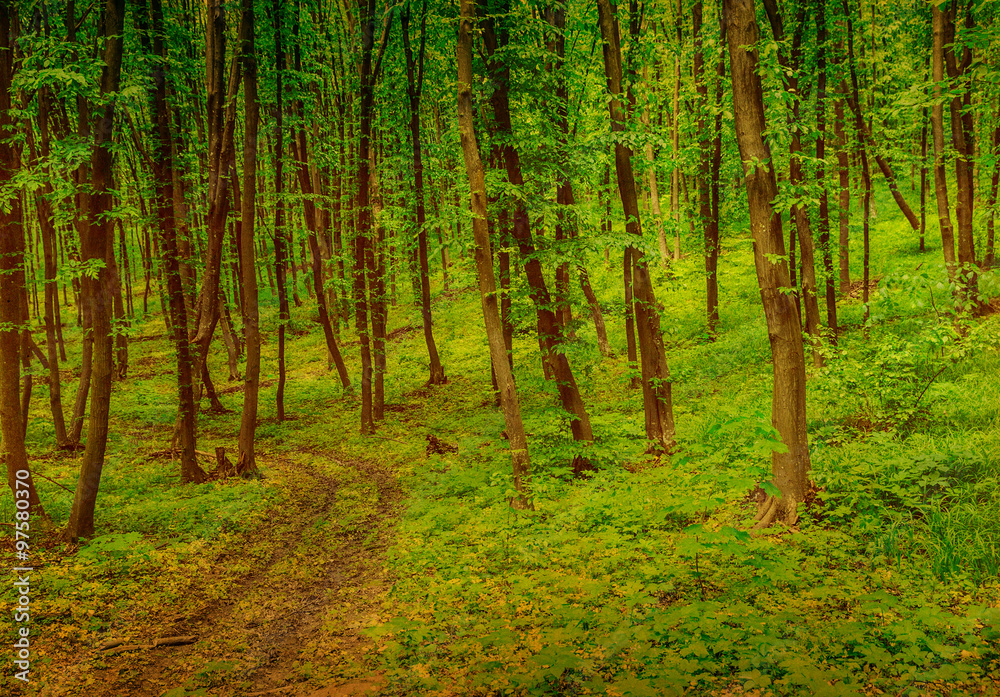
(642, 578)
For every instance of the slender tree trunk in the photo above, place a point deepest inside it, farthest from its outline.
(923, 180)
(675, 142)
(300, 151)
(799, 214)
(824, 206)
(853, 100)
(284, 314)
(509, 401)
(12, 285)
(710, 153)
(363, 238)
(989, 257)
(49, 240)
(251, 378)
(657, 404)
(99, 231)
(221, 125)
(788, 407)
(962, 131)
(163, 172)
(414, 89)
(844, 195)
(551, 333)
(937, 129)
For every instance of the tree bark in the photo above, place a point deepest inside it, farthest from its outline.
(280, 265)
(788, 406)
(937, 130)
(510, 404)
(300, 152)
(551, 333)
(962, 132)
(414, 89)
(657, 405)
(824, 206)
(251, 109)
(99, 231)
(12, 284)
(163, 172)
(844, 195)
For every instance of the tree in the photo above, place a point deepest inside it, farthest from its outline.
(414, 89)
(657, 405)
(788, 405)
(163, 172)
(12, 280)
(510, 404)
(551, 332)
(98, 231)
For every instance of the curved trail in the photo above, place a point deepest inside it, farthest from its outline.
(283, 613)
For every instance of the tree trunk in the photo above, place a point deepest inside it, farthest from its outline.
(962, 131)
(824, 206)
(937, 129)
(363, 238)
(709, 154)
(12, 284)
(251, 378)
(551, 333)
(657, 406)
(49, 240)
(99, 232)
(923, 179)
(853, 101)
(510, 404)
(414, 89)
(788, 406)
(844, 195)
(300, 152)
(280, 266)
(988, 258)
(163, 172)
(799, 214)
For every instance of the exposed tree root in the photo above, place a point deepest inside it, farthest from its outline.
(773, 509)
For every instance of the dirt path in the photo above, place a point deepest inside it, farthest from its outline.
(283, 613)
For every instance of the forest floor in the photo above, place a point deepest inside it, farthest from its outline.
(389, 565)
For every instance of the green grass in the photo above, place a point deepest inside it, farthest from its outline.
(641, 579)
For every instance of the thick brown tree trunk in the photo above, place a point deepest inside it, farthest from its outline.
(509, 401)
(788, 406)
(657, 406)
(99, 232)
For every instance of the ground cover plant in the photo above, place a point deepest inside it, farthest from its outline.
(491, 348)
